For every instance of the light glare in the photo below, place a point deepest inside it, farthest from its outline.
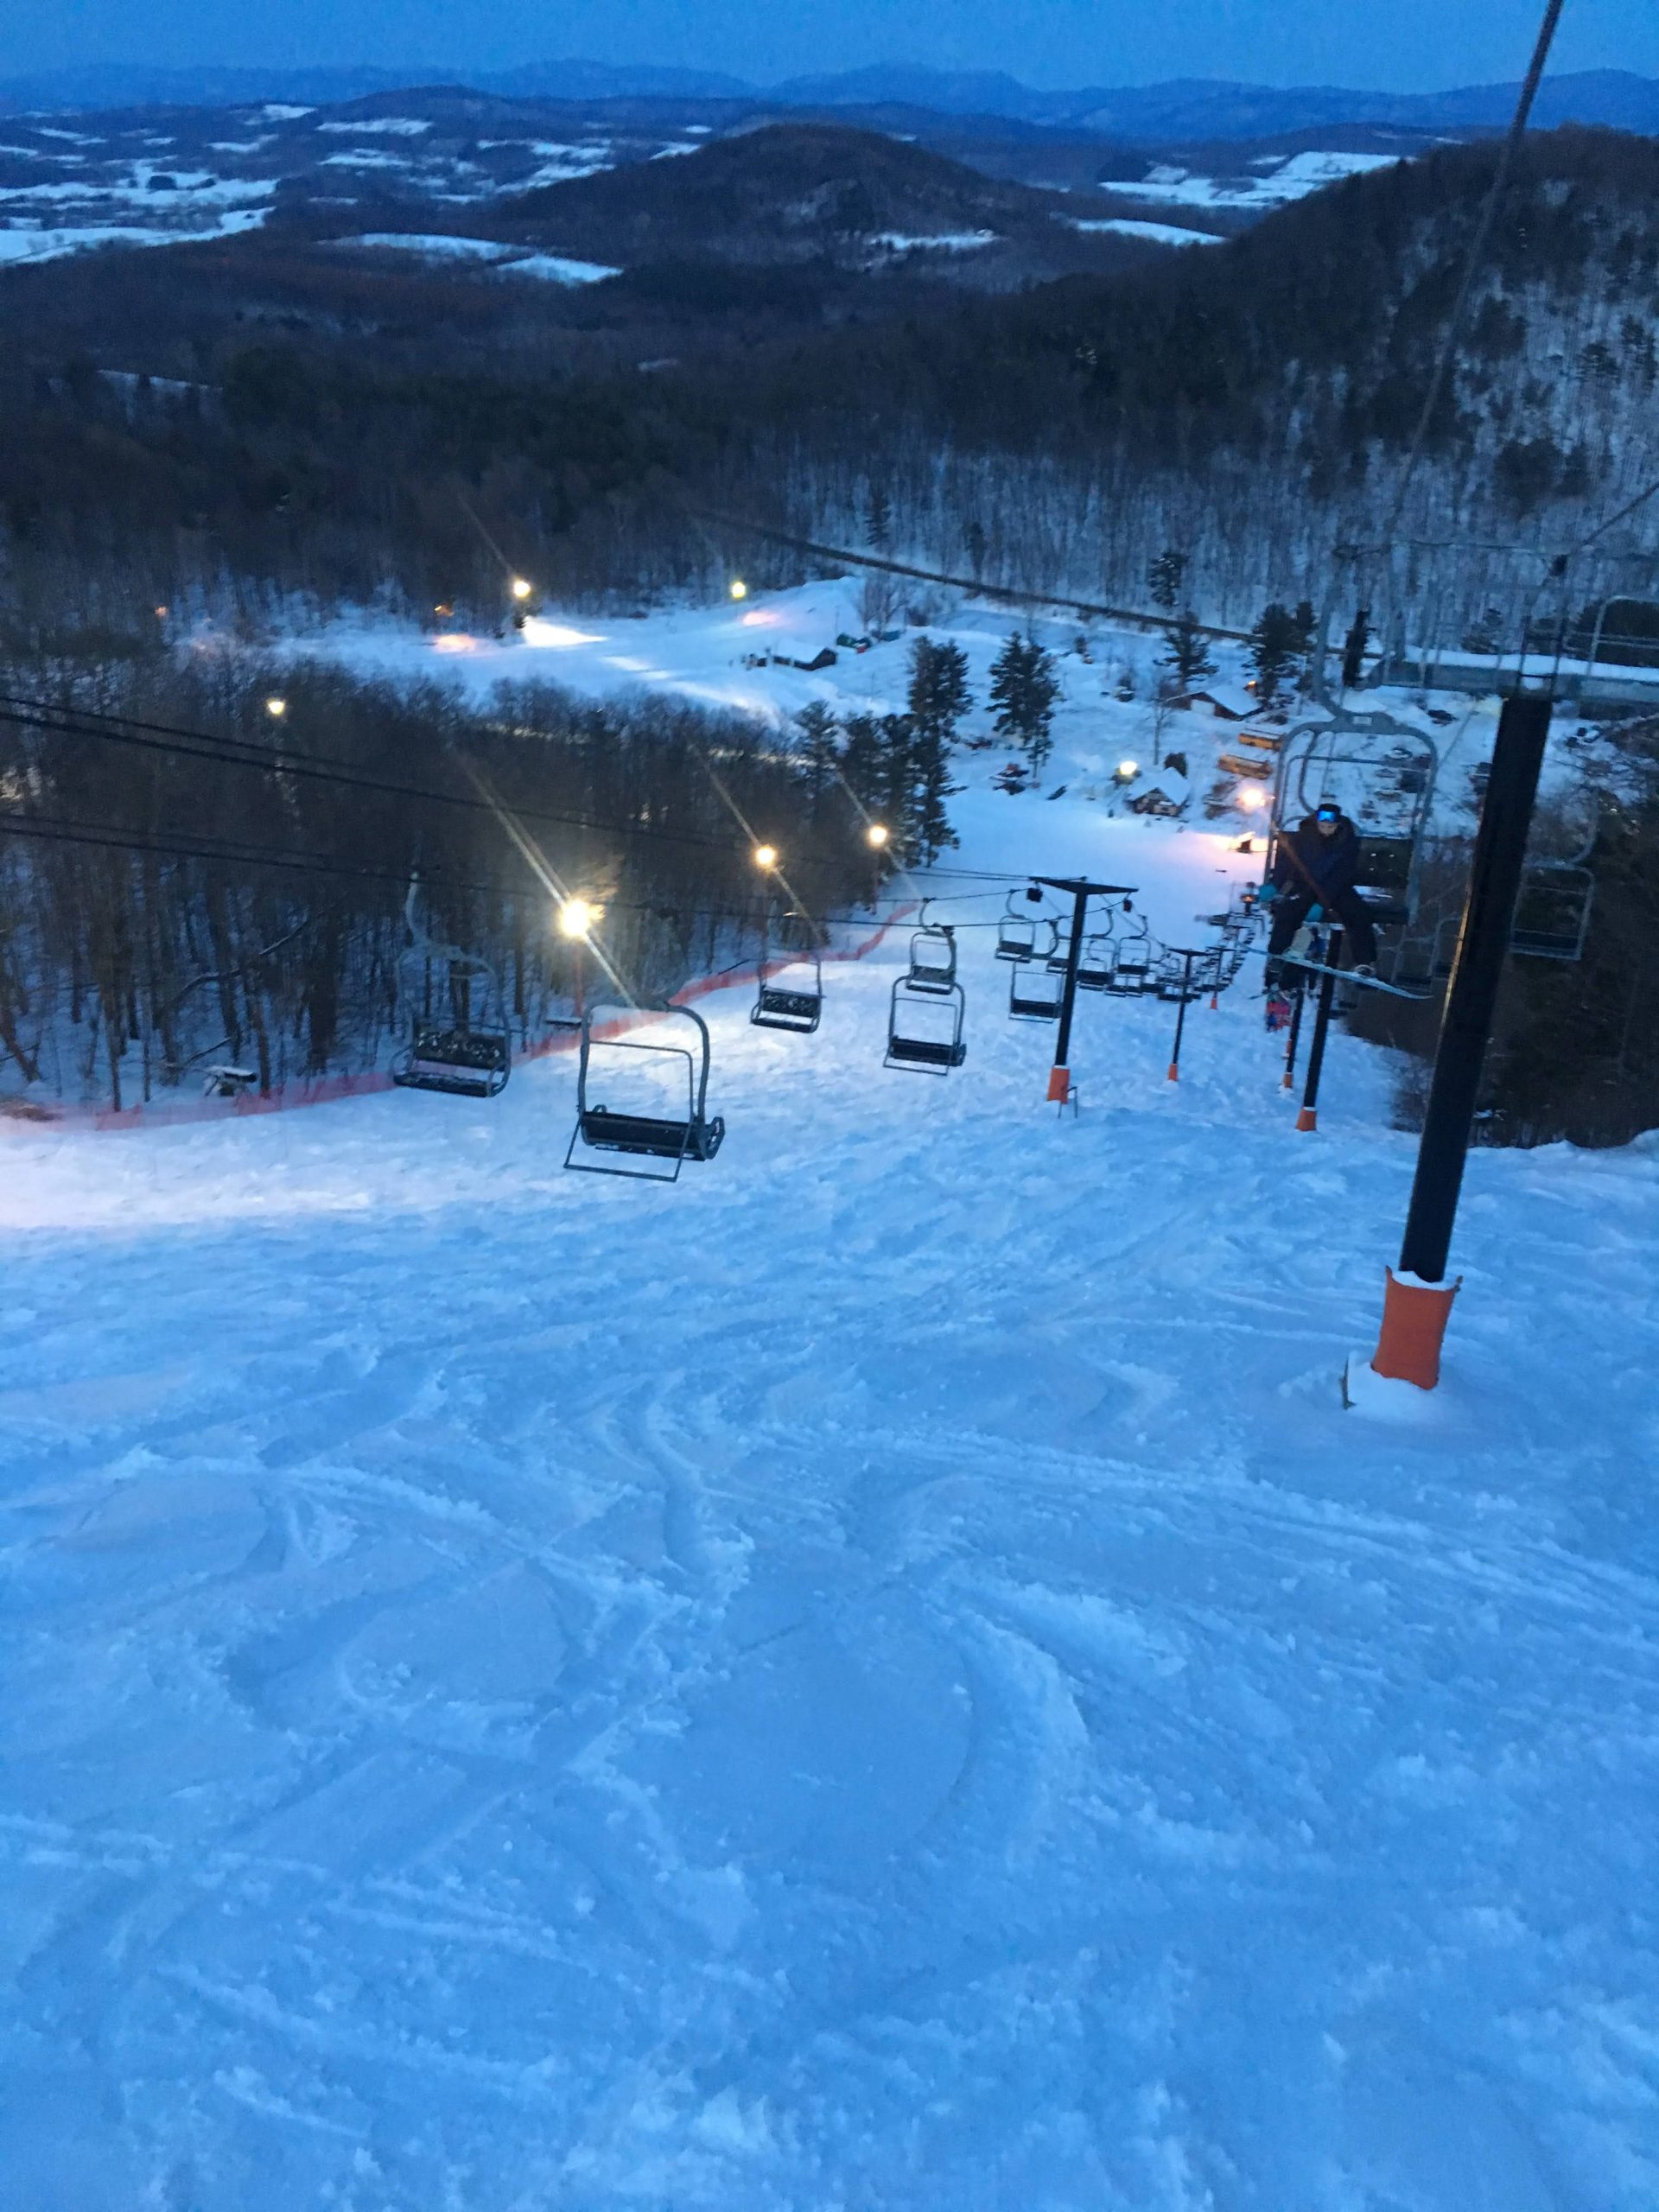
(765, 856)
(878, 834)
(576, 918)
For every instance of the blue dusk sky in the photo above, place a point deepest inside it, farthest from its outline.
(1393, 45)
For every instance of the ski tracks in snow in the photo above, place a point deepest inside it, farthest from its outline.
(882, 1678)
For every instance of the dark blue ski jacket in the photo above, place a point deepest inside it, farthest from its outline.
(1328, 866)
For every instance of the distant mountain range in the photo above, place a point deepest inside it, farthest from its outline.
(1185, 108)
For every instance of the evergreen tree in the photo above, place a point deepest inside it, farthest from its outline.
(1164, 577)
(1024, 690)
(816, 736)
(1186, 652)
(878, 517)
(1353, 648)
(895, 803)
(1275, 647)
(862, 762)
(931, 785)
(939, 696)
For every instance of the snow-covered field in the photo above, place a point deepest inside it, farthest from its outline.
(1281, 178)
(882, 1676)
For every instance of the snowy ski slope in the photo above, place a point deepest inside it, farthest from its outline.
(881, 1677)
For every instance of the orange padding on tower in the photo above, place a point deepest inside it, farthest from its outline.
(1059, 1083)
(1414, 1315)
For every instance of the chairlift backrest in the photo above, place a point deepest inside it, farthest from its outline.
(671, 1137)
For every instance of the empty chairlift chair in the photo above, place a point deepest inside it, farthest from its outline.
(1132, 965)
(1020, 936)
(1095, 963)
(1552, 914)
(796, 1006)
(934, 959)
(469, 1054)
(1035, 993)
(675, 1130)
(924, 1028)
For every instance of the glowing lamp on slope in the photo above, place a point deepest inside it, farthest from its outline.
(522, 588)
(1127, 771)
(878, 834)
(738, 589)
(765, 856)
(577, 917)
(276, 709)
(1252, 797)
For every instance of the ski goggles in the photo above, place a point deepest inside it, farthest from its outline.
(1328, 814)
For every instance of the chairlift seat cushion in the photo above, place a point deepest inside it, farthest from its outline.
(928, 1052)
(787, 1006)
(645, 1134)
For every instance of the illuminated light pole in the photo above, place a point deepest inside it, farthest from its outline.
(738, 589)
(576, 919)
(277, 708)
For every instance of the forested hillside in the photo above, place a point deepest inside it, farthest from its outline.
(269, 419)
(190, 878)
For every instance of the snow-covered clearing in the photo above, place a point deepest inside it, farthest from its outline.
(504, 260)
(20, 243)
(881, 1677)
(1282, 180)
(942, 242)
(1157, 233)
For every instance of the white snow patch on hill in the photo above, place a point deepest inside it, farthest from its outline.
(1156, 233)
(1290, 178)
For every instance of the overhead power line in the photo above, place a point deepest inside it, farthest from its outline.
(1516, 132)
(242, 753)
(978, 585)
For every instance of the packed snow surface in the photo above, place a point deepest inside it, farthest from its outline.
(882, 1676)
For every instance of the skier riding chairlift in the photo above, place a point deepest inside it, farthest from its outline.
(1314, 878)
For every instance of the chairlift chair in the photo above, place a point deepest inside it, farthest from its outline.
(1552, 915)
(465, 1057)
(924, 1028)
(933, 958)
(669, 1138)
(1034, 993)
(1095, 963)
(1132, 964)
(779, 1005)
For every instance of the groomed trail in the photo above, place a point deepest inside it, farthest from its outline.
(881, 1678)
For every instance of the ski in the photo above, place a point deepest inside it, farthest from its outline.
(1350, 975)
